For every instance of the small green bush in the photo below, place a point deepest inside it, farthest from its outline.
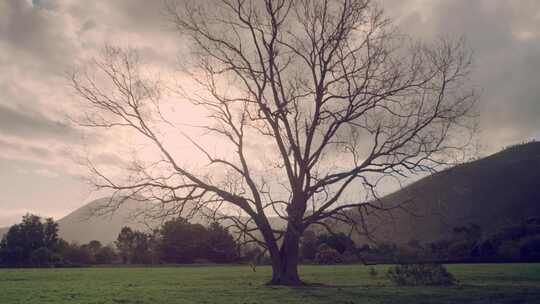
(43, 257)
(420, 274)
(530, 248)
(327, 256)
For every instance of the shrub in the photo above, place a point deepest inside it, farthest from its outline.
(308, 246)
(105, 255)
(420, 274)
(509, 250)
(373, 272)
(339, 242)
(202, 261)
(327, 256)
(530, 248)
(42, 257)
(349, 257)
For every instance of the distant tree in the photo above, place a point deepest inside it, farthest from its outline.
(154, 242)
(125, 244)
(530, 248)
(509, 251)
(134, 247)
(60, 249)
(94, 246)
(23, 239)
(309, 245)
(75, 255)
(251, 253)
(327, 255)
(3, 252)
(142, 248)
(50, 231)
(512, 242)
(485, 250)
(469, 233)
(43, 257)
(105, 255)
(387, 250)
(182, 242)
(177, 241)
(338, 241)
(221, 246)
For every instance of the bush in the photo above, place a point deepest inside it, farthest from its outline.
(530, 248)
(420, 274)
(42, 257)
(509, 250)
(339, 242)
(105, 255)
(308, 246)
(349, 257)
(327, 256)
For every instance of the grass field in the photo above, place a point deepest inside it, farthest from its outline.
(495, 283)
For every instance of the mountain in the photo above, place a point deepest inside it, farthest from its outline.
(497, 190)
(91, 222)
(491, 192)
(84, 225)
(87, 223)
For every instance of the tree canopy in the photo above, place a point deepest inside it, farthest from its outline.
(313, 104)
(31, 242)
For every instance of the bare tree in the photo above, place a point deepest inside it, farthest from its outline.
(316, 101)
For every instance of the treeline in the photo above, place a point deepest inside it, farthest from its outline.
(32, 242)
(518, 242)
(178, 242)
(35, 243)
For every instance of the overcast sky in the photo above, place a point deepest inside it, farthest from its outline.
(41, 40)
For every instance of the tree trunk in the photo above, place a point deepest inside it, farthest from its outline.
(285, 262)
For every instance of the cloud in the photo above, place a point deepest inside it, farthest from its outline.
(504, 38)
(12, 149)
(27, 124)
(35, 35)
(40, 40)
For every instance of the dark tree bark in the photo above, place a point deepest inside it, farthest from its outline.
(286, 272)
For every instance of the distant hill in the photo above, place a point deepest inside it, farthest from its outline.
(496, 190)
(82, 225)
(499, 189)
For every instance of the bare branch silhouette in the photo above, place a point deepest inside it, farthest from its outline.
(317, 101)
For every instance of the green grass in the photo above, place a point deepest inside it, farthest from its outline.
(494, 283)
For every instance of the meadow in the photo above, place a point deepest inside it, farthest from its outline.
(479, 283)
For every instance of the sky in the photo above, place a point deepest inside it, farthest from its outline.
(41, 41)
